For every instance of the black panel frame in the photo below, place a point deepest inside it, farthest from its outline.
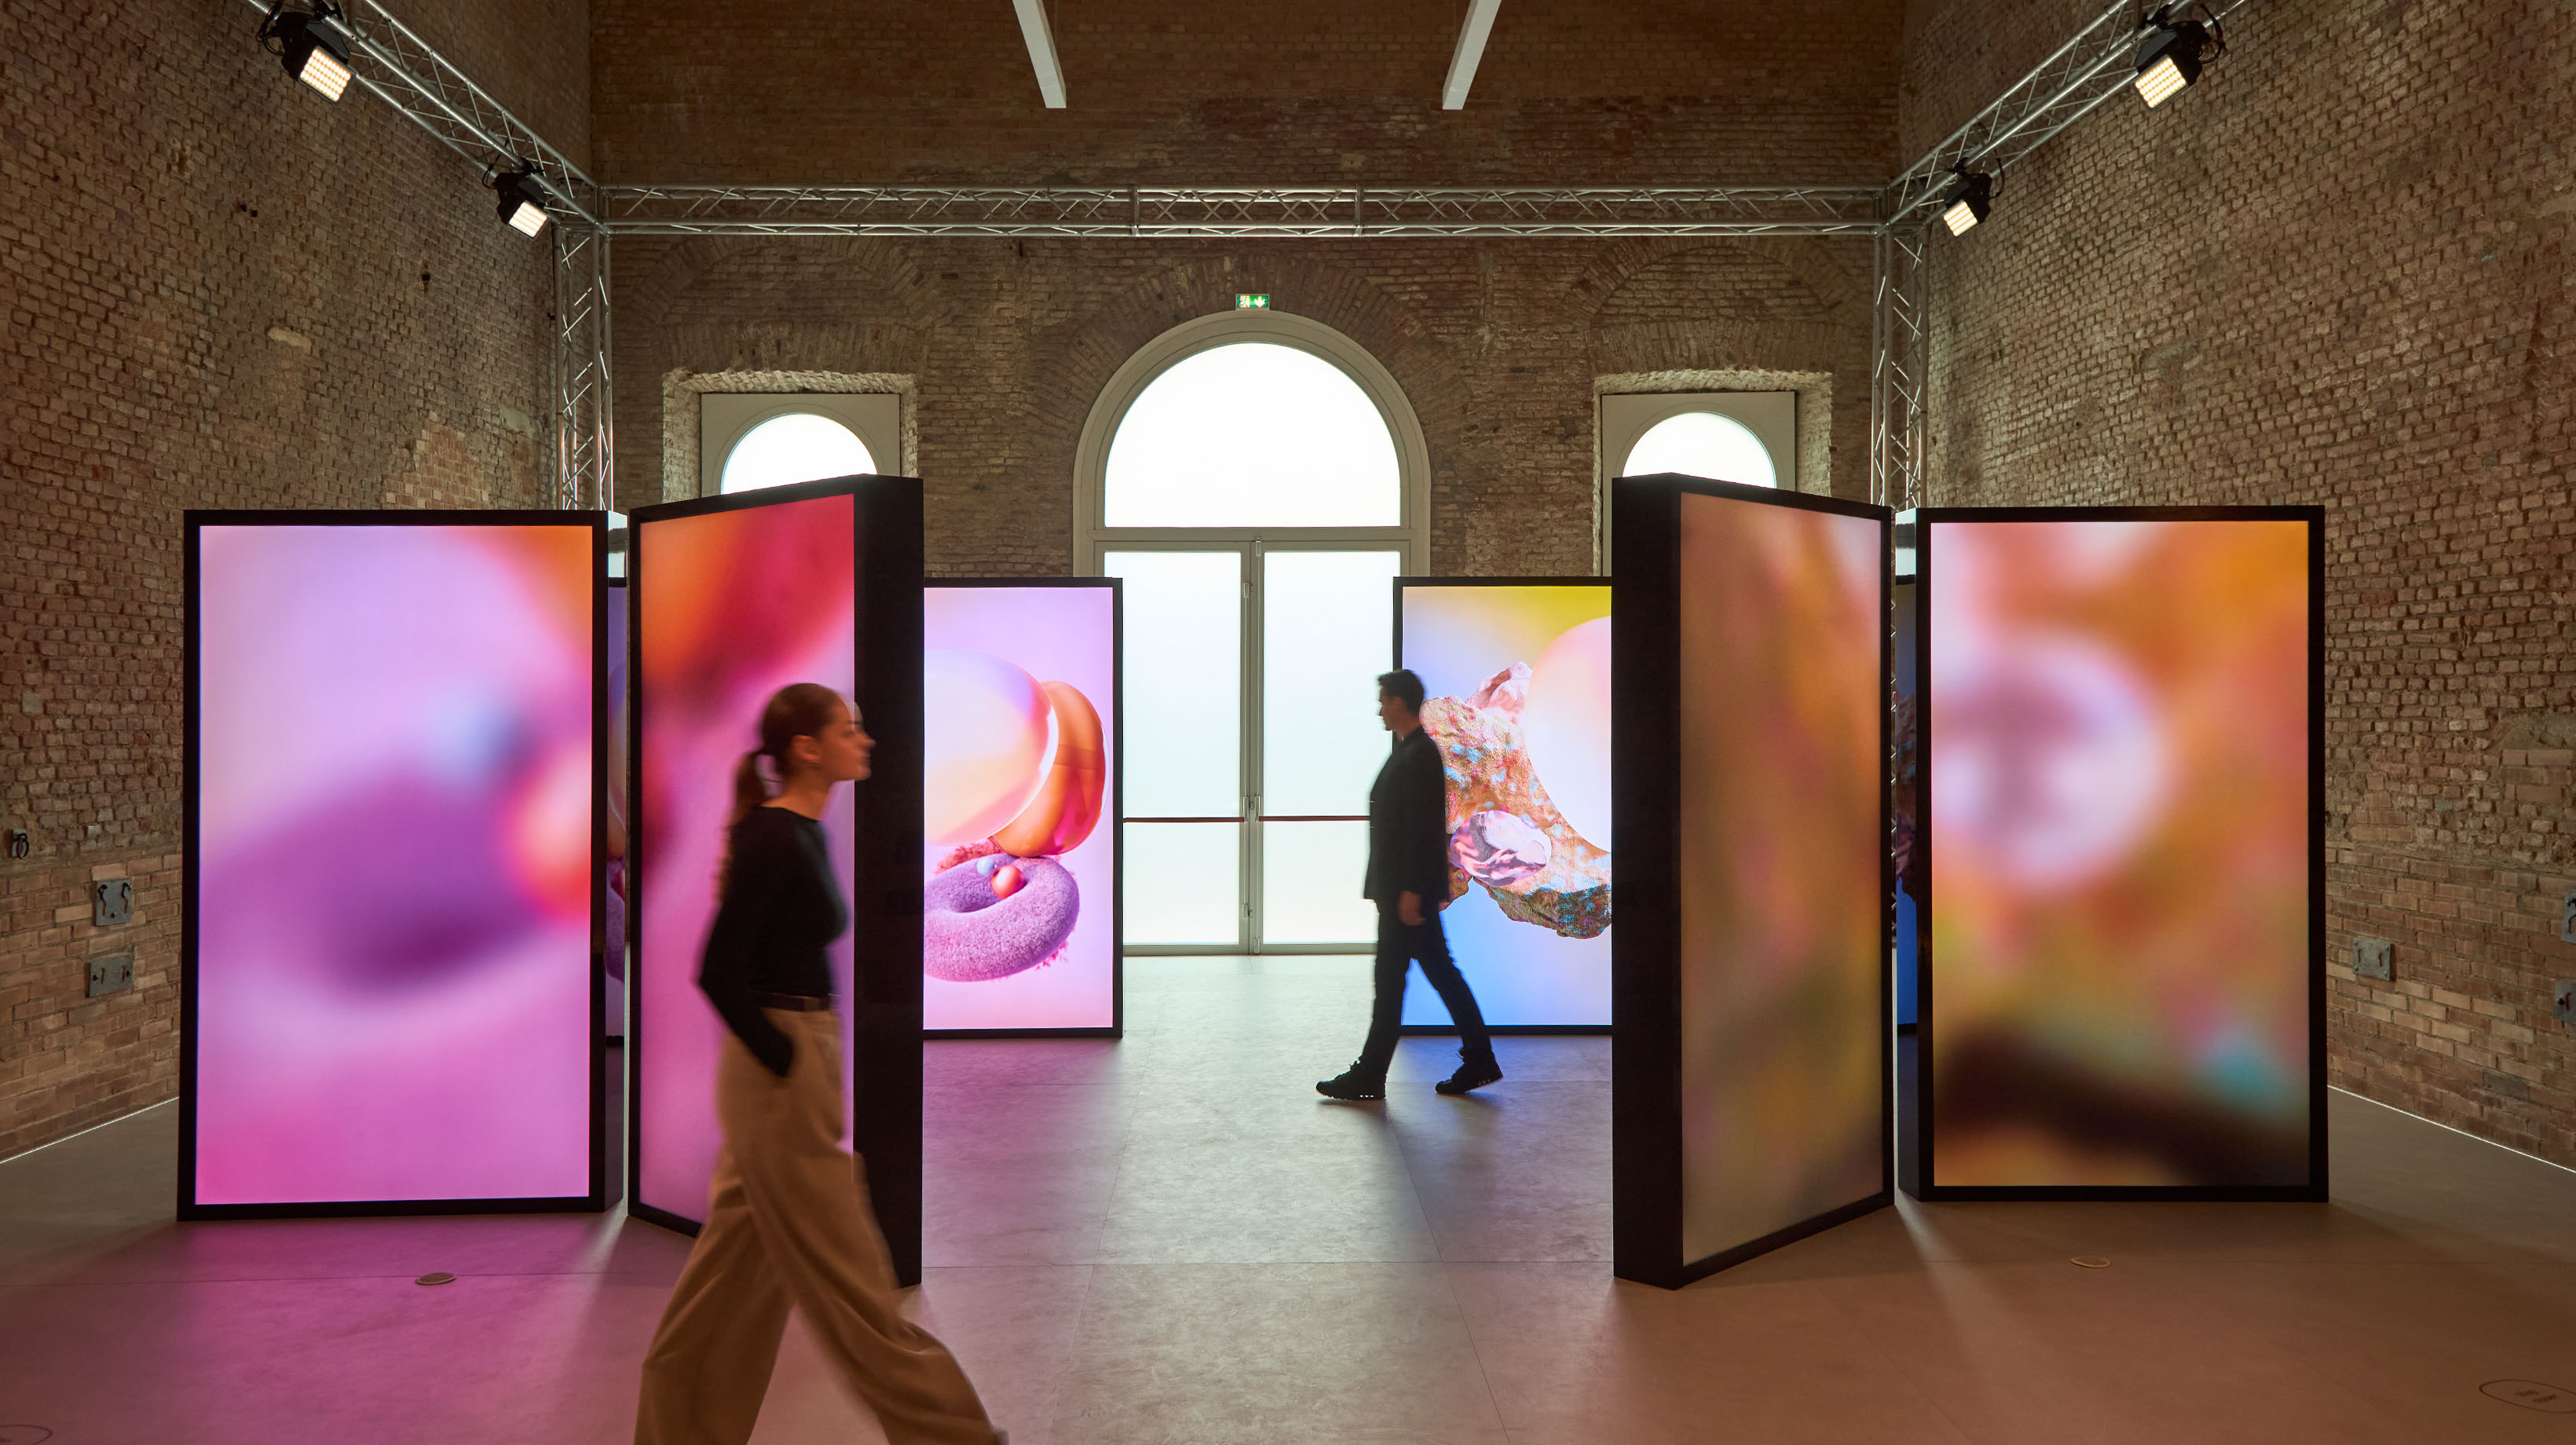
(1646, 1082)
(193, 522)
(1922, 1171)
(885, 923)
(617, 584)
(1117, 803)
(1450, 1030)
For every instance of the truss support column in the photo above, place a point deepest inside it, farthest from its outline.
(1899, 368)
(584, 424)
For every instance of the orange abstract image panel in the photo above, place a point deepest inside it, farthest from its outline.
(1782, 844)
(2118, 765)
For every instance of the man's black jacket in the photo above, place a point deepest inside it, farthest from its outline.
(1409, 825)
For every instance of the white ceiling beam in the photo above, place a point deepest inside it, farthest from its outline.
(1033, 29)
(1462, 61)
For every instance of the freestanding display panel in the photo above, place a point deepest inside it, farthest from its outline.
(1750, 660)
(1020, 895)
(735, 597)
(1516, 681)
(389, 978)
(2123, 991)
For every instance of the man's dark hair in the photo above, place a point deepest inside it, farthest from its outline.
(1402, 685)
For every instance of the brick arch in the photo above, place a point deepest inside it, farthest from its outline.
(785, 304)
(1074, 359)
(1089, 348)
(1832, 274)
(1765, 313)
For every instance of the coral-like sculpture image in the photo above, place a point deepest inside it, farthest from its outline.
(1506, 834)
(1015, 778)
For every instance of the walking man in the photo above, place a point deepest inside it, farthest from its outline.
(1408, 877)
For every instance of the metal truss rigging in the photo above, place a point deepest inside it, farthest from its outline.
(1175, 211)
(399, 68)
(2093, 65)
(393, 63)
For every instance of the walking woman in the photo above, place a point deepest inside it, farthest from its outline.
(788, 1221)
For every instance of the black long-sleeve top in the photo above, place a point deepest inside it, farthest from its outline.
(780, 907)
(1409, 824)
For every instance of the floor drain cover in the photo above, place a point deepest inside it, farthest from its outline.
(2532, 1395)
(2090, 1261)
(436, 1277)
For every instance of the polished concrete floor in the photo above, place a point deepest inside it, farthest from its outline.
(1171, 1239)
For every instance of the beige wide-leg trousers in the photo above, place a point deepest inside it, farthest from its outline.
(789, 1223)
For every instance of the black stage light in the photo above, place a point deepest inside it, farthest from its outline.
(523, 199)
(2172, 54)
(1969, 199)
(311, 44)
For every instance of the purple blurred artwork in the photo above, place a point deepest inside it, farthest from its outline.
(394, 737)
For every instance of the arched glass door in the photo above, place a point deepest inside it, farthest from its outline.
(1254, 488)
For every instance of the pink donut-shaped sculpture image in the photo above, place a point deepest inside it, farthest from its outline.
(999, 903)
(995, 917)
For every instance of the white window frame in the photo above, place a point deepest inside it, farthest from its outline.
(726, 417)
(1411, 537)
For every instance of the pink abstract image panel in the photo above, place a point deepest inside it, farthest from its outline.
(394, 894)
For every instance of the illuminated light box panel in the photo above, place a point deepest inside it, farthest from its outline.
(390, 996)
(1020, 897)
(1751, 1082)
(735, 597)
(1516, 691)
(2123, 988)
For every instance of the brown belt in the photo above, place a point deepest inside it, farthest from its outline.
(792, 1002)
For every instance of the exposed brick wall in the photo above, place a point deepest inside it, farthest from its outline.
(2334, 272)
(1495, 344)
(1179, 92)
(220, 291)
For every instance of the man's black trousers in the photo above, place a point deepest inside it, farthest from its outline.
(1397, 946)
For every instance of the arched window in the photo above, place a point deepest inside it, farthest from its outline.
(1252, 433)
(1702, 444)
(796, 447)
(749, 440)
(1258, 481)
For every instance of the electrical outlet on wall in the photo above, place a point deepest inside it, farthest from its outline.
(111, 902)
(2370, 957)
(2565, 1001)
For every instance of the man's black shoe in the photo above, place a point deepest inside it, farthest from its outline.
(1352, 1085)
(1472, 1074)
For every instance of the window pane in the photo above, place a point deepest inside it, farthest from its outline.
(1184, 882)
(797, 447)
(1702, 444)
(1327, 631)
(1310, 883)
(1183, 696)
(1253, 434)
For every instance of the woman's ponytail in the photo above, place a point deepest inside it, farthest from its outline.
(750, 789)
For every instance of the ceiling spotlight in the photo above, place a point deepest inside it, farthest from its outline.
(523, 199)
(2172, 54)
(1970, 197)
(312, 46)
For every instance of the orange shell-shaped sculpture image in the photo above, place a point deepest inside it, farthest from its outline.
(1067, 805)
